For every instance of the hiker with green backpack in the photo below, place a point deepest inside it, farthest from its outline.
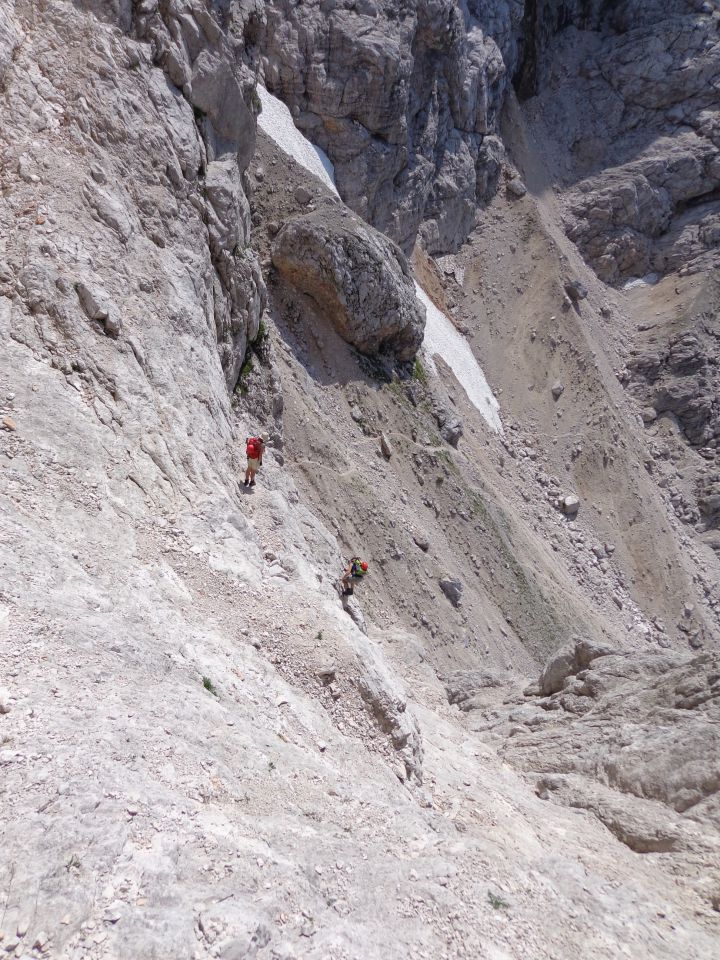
(254, 448)
(353, 573)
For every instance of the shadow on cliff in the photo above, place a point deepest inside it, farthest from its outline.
(317, 346)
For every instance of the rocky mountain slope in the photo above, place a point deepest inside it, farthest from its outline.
(503, 746)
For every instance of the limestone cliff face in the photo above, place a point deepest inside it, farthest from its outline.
(629, 91)
(406, 99)
(404, 96)
(202, 67)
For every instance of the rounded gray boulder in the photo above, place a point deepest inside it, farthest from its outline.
(357, 277)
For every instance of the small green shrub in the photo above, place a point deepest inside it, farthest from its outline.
(241, 386)
(255, 101)
(374, 368)
(209, 686)
(419, 373)
(479, 507)
(497, 903)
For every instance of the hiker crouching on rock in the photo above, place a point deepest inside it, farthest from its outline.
(254, 448)
(354, 572)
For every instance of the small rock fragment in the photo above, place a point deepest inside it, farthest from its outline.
(453, 589)
(576, 290)
(558, 389)
(113, 326)
(327, 673)
(303, 195)
(649, 415)
(92, 303)
(385, 446)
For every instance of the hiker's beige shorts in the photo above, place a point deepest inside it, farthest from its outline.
(253, 464)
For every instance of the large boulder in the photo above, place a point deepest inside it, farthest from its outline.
(575, 656)
(357, 277)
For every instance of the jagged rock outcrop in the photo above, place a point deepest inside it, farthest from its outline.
(203, 65)
(387, 704)
(476, 689)
(139, 227)
(708, 497)
(359, 279)
(404, 97)
(680, 376)
(628, 90)
(628, 745)
(629, 736)
(575, 657)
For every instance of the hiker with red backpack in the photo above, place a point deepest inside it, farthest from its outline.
(254, 447)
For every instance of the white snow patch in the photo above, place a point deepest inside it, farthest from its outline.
(649, 280)
(276, 121)
(443, 339)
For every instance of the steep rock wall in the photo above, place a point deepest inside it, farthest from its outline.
(628, 92)
(403, 96)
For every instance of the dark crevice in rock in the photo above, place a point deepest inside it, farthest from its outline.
(691, 203)
(526, 77)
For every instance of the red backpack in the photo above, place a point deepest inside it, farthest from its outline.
(253, 448)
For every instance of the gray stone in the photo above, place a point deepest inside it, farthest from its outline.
(558, 389)
(229, 223)
(217, 92)
(303, 195)
(516, 188)
(387, 704)
(570, 504)
(453, 589)
(359, 280)
(95, 304)
(649, 415)
(113, 325)
(569, 660)
(449, 423)
(576, 290)
(364, 87)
